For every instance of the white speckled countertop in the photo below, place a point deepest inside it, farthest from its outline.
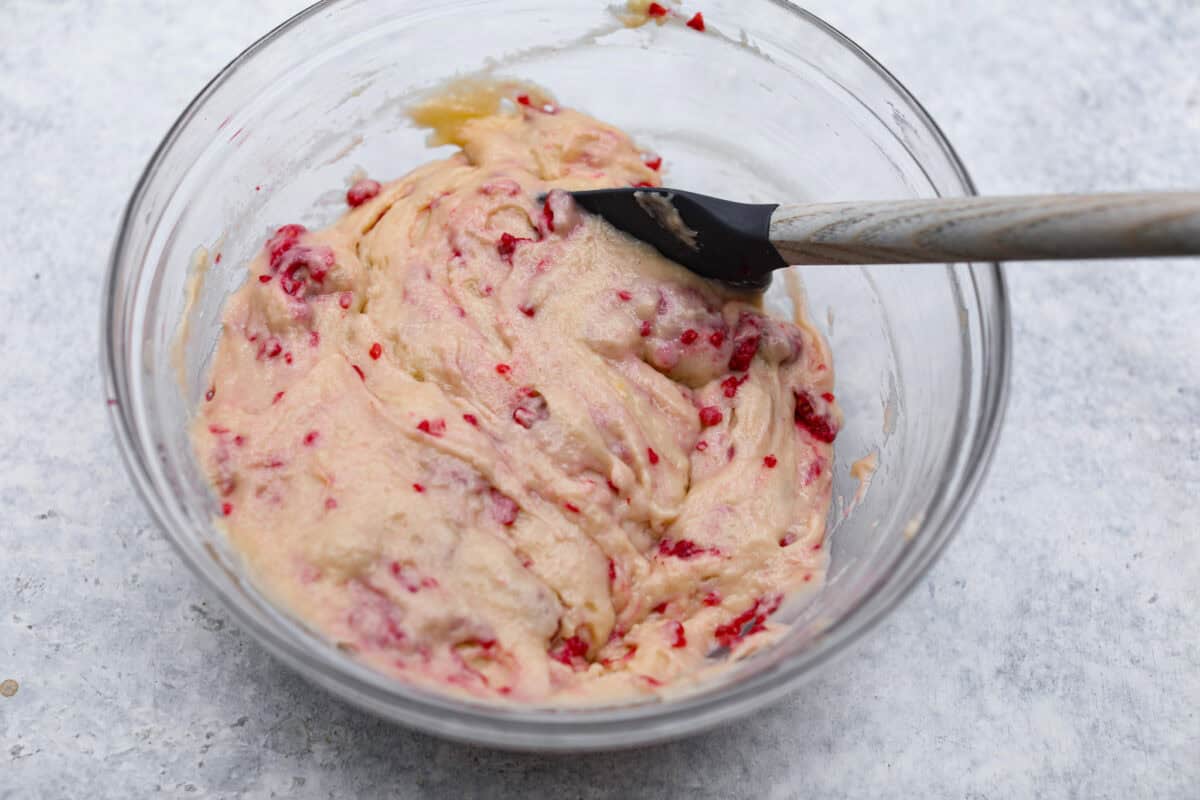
(1053, 651)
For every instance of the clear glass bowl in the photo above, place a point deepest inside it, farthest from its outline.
(769, 104)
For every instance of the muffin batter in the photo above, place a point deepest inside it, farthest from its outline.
(491, 444)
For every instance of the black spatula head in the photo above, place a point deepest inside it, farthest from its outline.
(716, 238)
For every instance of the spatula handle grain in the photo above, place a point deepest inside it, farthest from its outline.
(990, 229)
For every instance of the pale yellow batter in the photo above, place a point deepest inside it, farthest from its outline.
(491, 444)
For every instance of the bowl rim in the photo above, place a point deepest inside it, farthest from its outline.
(577, 730)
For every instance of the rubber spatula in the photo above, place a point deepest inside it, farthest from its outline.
(742, 244)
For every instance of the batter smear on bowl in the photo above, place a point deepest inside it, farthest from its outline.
(491, 445)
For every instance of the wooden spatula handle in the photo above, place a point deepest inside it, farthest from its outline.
(990, 228)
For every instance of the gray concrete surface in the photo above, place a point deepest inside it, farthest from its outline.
(1054, 651)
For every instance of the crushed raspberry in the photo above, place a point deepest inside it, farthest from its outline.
(362, 191)
(685, 549)
(471, 419)
(713, 598)
(679, 637)
(571, 649)
(656, 10)
(710, 415)
(264, 278)
(654, 163)
(731, 384)
(716, 338)
(524, 100)
(820, 427)
(571, 507)
(508, 245)
(330, 503)
(503, 369)
(227, 508)
(701, 445)
(435, 427)
(689, 336)
(743, 353)
(210, 394)
(361, 375)
(284, 239)
(504, 509)
(747, 623)
(696, 23)
(376, 351)
(645, 328)
(287, 357)
(650, 454)
(418, 488)
(345, 299)
(311, 437)
(624, 295)
(827, 397)
(527, 309)
(660, 608)
(770, 461)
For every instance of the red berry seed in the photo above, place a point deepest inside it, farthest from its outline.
(345, 300)
(361, 375)
(624, 295)
(419, 488)
(330, 503)
(376, 351)
(503, 369)
(311, 437)
(689, 336)
(277, 398)
(527, 309)
(696, 23)
(653, 456)
(656, 10)
(523, 99)
(645, 328)
(227, 508)
(827, 397)
(710, 415)
(210, 394)
(701, 445)
(264, 278)
(716, 338)
(770, 461)
(571, 507)
(679, 637)
(654, 163)
(471, 419)
(713, 598)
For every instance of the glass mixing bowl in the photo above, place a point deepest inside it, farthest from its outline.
(769, 104)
